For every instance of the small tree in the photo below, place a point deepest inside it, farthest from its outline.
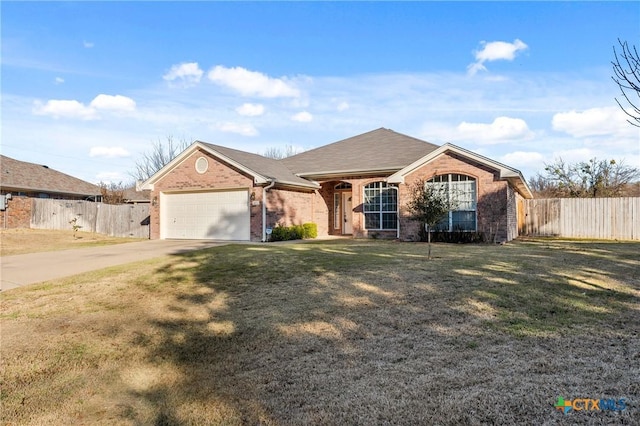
(429, 204)
(74, 225)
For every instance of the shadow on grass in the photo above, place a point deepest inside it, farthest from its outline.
(361, 331)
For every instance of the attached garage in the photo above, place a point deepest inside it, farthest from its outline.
(219, 215)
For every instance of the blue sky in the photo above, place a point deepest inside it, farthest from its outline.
(88, 86)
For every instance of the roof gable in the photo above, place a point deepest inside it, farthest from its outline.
(380, 150)
(505, 172)
(262, 169)
(30, 177)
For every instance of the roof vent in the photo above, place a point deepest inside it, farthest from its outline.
(46, 167)
(202, 165)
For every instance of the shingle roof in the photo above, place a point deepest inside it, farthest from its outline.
(267, 167)
(30, 177)
(377, 150)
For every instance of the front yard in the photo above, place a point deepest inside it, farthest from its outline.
(331, 332)
(24, 240)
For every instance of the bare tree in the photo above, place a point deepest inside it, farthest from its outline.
(587, 179)
(160, 154)
(279, 153)
(626, 73)
(112, 193)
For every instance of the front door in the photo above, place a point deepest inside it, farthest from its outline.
(347, 213)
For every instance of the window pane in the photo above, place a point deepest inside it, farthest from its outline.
(464, 220)
(389, 220)
(389, 200)
(371, 200)
(372, 220)
(380, 206)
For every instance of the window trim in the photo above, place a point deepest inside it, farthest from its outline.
(380, 187)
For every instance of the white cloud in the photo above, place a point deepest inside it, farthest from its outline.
(58, 80)
(250, 110)
(108, 152)
(494, 51)
(116, 103)
(252, 83)
(302, 117)
(503, 129)
(343, 106)
(592, 122)
(243, 129)
(188, 74)
(88, 44)
(519, 159)
(64, 109)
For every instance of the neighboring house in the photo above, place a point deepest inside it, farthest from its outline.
(131, 196)
(25, 181)
(357, 186)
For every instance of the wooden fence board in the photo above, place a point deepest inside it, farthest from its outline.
(126, 220)
(602, 218)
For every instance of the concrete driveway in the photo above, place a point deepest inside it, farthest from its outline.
(23, 269)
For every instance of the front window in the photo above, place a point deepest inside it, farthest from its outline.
(380, 206)
(462, 190)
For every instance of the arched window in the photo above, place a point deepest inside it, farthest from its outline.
(462, 190)
(380, 206)
(343, 185)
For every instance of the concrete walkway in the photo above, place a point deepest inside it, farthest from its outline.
(24, 269)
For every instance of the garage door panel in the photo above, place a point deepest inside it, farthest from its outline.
(206, 215)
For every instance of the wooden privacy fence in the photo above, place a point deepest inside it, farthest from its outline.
(602, 218)
(125, 220)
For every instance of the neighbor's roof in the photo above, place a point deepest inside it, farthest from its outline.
(380, 150)
(29, 177)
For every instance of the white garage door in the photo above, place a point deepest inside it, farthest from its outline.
(222, 215)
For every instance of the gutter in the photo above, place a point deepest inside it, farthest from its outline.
(264, 209)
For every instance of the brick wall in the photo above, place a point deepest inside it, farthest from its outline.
(288, 207)
(491, 194)
(18, 213)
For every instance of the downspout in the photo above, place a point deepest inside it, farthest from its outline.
(264, 209)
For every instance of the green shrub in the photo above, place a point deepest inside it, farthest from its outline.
(310, 230)
(295, 232)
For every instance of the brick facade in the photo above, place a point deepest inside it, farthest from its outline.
(284, 206)
(18, 213)
(490, 191)
(496, 201)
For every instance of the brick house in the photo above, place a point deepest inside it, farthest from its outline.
(25, 181)
(357, 186)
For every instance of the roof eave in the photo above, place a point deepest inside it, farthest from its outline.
(346, 173)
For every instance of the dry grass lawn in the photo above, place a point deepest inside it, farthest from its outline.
(22, 241)
(330, 332)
